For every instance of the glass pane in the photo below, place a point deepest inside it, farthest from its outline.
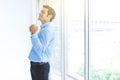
(74, 15)
(56, 61)
(104, 40)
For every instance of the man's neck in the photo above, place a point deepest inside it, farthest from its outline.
(45, 22)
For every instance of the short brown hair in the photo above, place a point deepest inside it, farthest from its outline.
(51, 11)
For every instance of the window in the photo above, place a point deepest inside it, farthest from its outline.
(94, 23)
(104, 40)
(74, 29)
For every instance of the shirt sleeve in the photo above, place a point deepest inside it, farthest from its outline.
(38, 46)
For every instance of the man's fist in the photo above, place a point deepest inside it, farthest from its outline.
(33, 28)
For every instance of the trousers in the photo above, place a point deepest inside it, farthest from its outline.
(40, 71)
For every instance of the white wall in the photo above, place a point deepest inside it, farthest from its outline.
(15, 18)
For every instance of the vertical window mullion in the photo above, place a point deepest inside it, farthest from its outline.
(86, 38)
(63, 40)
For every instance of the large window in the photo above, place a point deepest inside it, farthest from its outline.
(87, 39)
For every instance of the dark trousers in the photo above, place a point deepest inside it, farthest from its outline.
(40, 71)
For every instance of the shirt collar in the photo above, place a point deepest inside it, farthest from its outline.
(45, 25)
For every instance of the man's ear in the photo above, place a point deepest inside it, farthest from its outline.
(49, 16)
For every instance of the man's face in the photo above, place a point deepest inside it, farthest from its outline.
(43, 15)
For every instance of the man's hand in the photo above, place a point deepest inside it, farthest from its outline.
(33, 28)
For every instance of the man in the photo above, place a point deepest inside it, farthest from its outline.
(42, 44)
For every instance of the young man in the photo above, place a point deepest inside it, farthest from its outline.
(42, 44)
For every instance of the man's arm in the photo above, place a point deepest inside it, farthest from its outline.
(39, 46)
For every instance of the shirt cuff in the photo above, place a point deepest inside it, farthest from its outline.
(34, 35)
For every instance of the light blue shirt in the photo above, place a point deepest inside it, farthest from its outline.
(42, 44)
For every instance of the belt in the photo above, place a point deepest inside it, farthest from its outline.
(38, 63)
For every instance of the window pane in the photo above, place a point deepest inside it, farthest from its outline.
(104, 40)
(75, 39)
